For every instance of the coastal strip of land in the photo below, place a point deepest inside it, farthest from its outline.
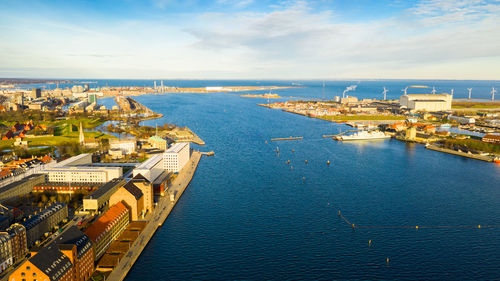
(159, 215)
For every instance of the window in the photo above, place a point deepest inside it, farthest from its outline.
(28, 268)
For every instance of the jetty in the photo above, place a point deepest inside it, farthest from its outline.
(461, 153)
(289, 138)
(159, 215)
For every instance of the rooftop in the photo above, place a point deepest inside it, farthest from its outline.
(73, 236)
(151, 162)
(133, 189)
(103, 224)
(176, 147)
(105, 188)
(51, 262)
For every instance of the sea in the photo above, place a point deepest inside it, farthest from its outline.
(248, 214)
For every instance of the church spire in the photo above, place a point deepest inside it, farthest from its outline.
(82, 137)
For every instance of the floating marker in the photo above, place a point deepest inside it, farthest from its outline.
(306, 161)
(416, 227)
(353, 226)
(339, 213)
(479, 226)
(369, 243)
(328, 162)
(387, 260)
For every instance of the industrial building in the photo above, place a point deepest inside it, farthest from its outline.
(176, 157)
(100, 197)
(151, 168)
(426, 102)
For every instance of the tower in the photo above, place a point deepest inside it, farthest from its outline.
(493, 91)
(82, 137)
(470, 91)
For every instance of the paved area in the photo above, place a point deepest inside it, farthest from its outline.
(159, 215)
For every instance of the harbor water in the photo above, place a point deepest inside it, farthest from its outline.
(248, 215)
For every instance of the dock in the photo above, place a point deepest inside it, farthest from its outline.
(461, 153)
(289, 138)
(159, 215)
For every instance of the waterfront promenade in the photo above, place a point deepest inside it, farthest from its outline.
(160, 213)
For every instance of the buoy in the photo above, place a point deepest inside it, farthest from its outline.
(479, 226)
(369, 243)
(306, 161)
(387, 260)
(328, 162)
(339, 213)
(353, 226)
(416, 227)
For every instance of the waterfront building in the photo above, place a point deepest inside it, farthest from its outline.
(158, 142)
(126, 146)
(44, 221)
(78, 248)
(491, 138)
(21, 187)
(146, 188)
(100, 197)
(17, 233)
(462, 119)
(426, 102)
(151, 168)
(176, 157)
(160, 184)
(6, 259)
(47, 264)
(132, 197)
(106, 228)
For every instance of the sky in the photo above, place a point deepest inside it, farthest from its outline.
(250, 39)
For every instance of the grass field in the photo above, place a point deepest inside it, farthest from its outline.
(474, 104)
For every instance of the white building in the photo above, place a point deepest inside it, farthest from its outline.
(426, 102)
(151, 168)
(126, 146)
(176, 157)
(83, 174)
(462, 120)
(81, 159)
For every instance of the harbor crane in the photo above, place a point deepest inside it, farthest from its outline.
(385, 93)
(470, 92)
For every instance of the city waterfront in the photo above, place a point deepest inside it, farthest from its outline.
(249, 215)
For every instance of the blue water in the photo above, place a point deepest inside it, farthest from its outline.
(247, 215)
(365, 88)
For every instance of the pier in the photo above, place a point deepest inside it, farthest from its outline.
(159, 215)
(460, 153)
(289, 138)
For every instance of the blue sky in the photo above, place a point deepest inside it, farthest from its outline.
(251, 39)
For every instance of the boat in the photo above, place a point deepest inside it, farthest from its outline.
(445, 126)
(365, 135)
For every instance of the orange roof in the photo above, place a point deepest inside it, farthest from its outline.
(103, 224)
(492, 137)
(46, 159)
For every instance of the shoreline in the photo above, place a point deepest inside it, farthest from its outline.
(158, 217)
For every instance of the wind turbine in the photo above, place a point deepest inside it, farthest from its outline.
(452, 90)
(470, 91)
(404, 90)
(493, 91)
(385, 93)
(433, 90)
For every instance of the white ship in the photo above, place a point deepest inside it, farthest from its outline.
(364, 135)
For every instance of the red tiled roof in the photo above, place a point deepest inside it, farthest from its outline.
(103, 224)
